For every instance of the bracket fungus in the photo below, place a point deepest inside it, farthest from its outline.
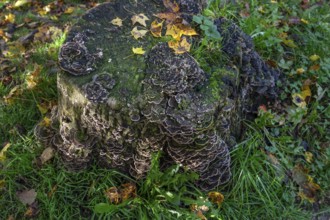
(119, 109)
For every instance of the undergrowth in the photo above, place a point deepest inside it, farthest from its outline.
(264, 164)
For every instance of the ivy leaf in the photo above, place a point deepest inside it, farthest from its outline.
(138, 50)
(138, 33)
(117, 21)
(140, 18)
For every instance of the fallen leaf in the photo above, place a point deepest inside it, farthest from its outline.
(304, 21)
(171, 5)
(32, 211)
(308, 156)
(180, 47)
(138, 33)
(263, 108)
(52, 191)
(216, 197)
(298, 100)
(10, 18)
(13, 94)
(168, 16)
(21, 3)
(138, 50)
(69, 10)
(305, 92)
(289, 43)
(27, 196)
(3, 151)
(140, 18)
(156, 28)
(32, 78)
(47, 154)
(45, 122)
(174, 31)
(314, 57)
(315, 67)
(113, 195)
(117, 21)
(307, 186)
(300, 71)
(127, 190)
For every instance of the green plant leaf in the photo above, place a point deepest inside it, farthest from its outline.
(103, 208)
(198, 19)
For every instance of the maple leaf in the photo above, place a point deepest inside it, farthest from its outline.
(33, 77)
(138, 50)
(180, 47)
(138, 33)
(117, 21)
(140, 18)
(174, 31)
(156, 28)
(10, 18)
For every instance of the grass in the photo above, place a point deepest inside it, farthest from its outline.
(263, 185)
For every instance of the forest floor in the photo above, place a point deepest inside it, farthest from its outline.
(281, 167)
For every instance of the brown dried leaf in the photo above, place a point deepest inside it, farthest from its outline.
(47, 154)
(13, 94)
(127, 190)
(216, 197)
(113, 195)
(170, 17)
(32, 78)
(27, 196)
(171, 5)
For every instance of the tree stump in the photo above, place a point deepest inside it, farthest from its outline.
(119, 108)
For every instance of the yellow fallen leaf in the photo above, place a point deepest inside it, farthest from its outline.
(314, 57)
(168, 16)
(304, 21)
(3, 151)
(174, 31)
(32, 78)
(216, 197)
(21, 3)
(69, 10)
(308, 156)
(187, 30)
(138, 50)
(289, 43)
(117, 21)
(140, 18)
(156, 28)
(298, 100)
(306, 92)
(10, 18)
(14, 93)
(180, 47)
(300, 71)
(138, 33)
(45, 122)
